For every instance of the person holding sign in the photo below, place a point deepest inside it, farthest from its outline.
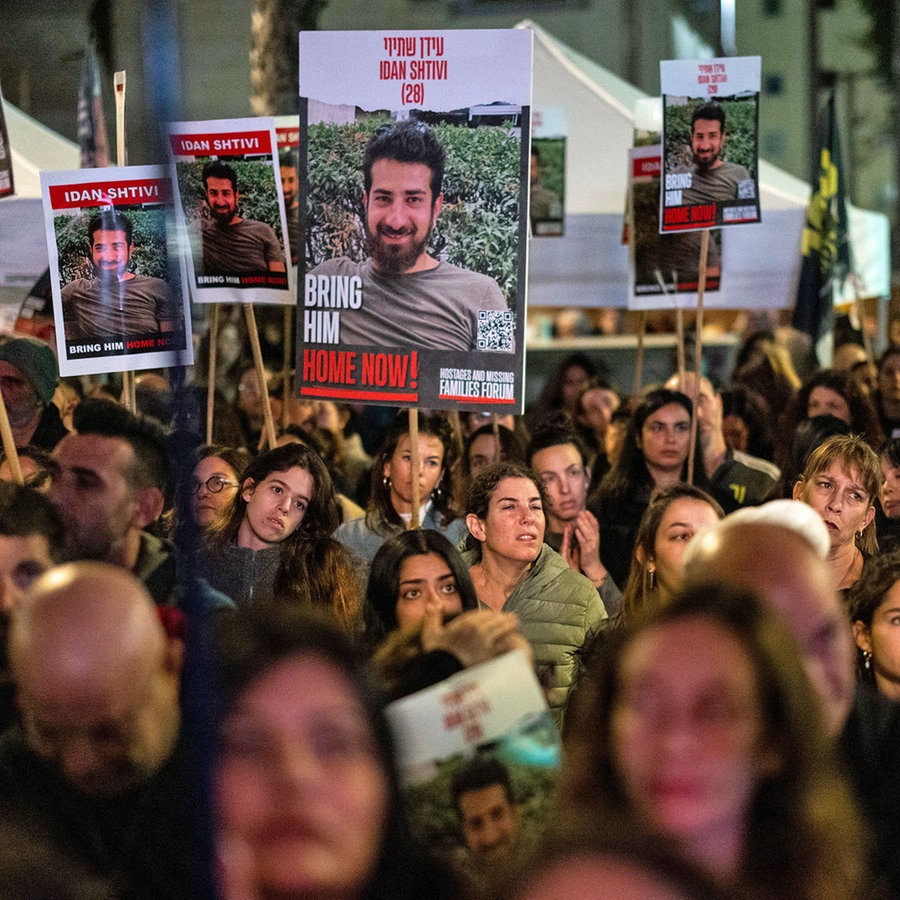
(233, 245)
(401, 294)
(115, 300)
(713, 178)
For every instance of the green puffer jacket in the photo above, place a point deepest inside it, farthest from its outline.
(558, 609)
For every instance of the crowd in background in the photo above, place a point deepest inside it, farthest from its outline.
(704, 578)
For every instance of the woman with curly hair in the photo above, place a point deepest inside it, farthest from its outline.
(830, 393)
(275, 541)
(389, 510)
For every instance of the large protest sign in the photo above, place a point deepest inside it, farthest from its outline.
(413, 175)
(231, 210)
(710, 143)
(117, 282)
(489, 718)
(664, 267)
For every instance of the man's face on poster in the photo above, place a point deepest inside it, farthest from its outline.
(110, 252)
(490, 822)
(707, 138)
(289, 185)
(222, 199)
(400, 214)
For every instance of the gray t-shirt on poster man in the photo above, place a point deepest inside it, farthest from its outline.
(244, 248)
(719, 185)
(93, 308)
(434, 309)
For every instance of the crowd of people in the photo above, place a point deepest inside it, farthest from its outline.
(198, 649)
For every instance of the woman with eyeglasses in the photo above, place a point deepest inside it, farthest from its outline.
(217, 475)
(274, 541)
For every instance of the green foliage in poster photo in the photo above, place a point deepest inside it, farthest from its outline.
(256, 185)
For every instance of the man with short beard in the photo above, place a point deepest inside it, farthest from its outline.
(115, 301)
(408, 297)
(233, 245)
(713, 178)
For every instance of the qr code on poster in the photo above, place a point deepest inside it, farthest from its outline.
(495, 330)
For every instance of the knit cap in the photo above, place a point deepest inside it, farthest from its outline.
(35, 360)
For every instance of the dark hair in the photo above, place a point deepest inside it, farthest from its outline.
(596, 383)
(314, 569)
(46, 465)
(321, 517)
(630, 471)
(554, 431)
(477, 773)
(380, 610)
(252, 642)
(478, 497)
(807, 436)
(109, 220)
(380, 512)
(24, 512)
(892, 350)
(744, 404)
(216, 168)
(801, 833)
(287, 159)
(482, 487)
(510, 446)
(552, 395)
(236, 457)
(151, 465)
(890, 451)
(406, 142)
(709, 111)
(879, 574)
(638, 590)
(863, 417)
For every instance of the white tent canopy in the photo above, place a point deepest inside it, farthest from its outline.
(589, 265)
(23, 245)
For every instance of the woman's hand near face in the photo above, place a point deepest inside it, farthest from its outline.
(474, 636)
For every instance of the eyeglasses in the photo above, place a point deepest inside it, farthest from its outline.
(214, 484)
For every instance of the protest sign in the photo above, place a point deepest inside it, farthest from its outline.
(118, 288)
(231, 210)
(710, 143)
(413, 173)
(490, 717)
(664, 267)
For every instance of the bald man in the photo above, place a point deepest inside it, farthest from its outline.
(95, 765)
(782, 567)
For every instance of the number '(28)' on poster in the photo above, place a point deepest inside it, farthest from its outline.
(414, 178)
